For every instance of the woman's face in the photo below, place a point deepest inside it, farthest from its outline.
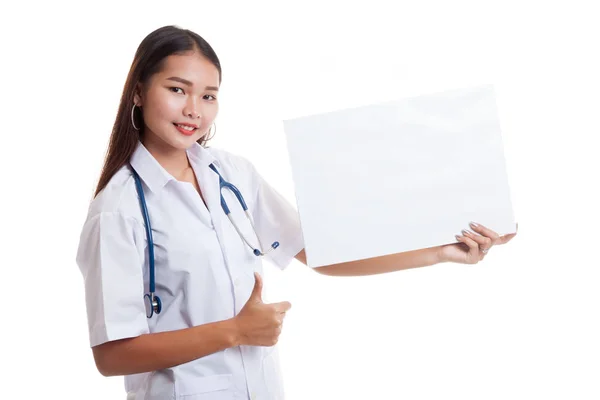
(179, 103)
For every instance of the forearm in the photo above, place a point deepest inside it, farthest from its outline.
(151, 352)
(384, 264)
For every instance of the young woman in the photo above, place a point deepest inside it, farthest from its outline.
(177, 308)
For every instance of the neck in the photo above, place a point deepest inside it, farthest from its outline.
(174, 161)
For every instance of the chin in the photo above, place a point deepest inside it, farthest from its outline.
(180, 141)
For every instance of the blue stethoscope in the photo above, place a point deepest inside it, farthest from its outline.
(151, 300)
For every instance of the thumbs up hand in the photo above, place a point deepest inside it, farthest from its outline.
(260, 324)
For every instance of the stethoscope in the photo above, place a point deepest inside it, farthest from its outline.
(151, 300)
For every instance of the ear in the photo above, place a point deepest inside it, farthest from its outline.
(137, 95)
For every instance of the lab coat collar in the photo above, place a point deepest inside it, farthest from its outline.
(201, 157)
(155, 176)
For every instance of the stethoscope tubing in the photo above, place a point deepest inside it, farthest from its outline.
(155, 304)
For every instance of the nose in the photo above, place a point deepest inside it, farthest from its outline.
(191, 109)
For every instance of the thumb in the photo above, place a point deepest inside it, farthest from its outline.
(257, 291)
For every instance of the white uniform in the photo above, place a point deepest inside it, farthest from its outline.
(204, 271)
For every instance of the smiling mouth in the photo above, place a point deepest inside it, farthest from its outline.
(185, 129)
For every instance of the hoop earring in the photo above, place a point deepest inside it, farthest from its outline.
(213, 134)
(133, 119)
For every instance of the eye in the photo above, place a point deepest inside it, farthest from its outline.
(175, 90)
(209, 97)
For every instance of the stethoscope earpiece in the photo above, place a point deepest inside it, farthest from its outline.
(259, 253)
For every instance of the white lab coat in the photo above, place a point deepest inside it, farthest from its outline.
(204, 271)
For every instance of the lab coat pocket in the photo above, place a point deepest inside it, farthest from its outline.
(214, 387)
(272, 375)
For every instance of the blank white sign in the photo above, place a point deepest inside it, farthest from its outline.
(398, 176)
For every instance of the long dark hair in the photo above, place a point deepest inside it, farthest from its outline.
(148, 60)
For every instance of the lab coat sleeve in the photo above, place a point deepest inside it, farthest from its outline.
(275, 219)
(110, 258)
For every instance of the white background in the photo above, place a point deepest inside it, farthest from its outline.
(523, 324)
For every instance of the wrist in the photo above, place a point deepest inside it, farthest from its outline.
(232, 332)
(439, 255)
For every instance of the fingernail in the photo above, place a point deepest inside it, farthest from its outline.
(466, 232)
(457, 237)
(474, 225)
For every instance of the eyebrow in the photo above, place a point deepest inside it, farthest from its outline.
(186, 82)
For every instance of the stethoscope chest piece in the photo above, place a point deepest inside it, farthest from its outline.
(153, 304)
